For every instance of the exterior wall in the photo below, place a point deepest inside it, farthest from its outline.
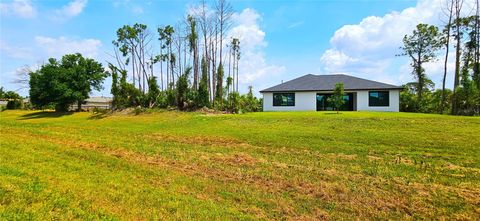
(394, 98)
(307, 101)
(304, 101)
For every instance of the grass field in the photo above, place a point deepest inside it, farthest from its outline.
(293, 166)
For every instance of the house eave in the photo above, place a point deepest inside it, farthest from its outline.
(346, 89)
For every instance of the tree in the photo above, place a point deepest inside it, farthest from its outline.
(457, 6)
(85, 74)
(193, 46)
(236, 57)
(224, 14)
(153, 92)
(446, 41)
(13, 98)
(219, 90)
(421, 47)
(203, 99)
(182, 89)
(64, 82)
(337, 96)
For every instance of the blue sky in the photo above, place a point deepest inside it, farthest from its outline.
(280, 40)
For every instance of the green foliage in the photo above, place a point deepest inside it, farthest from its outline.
(124, 94)
(151, 98)
(14, 100)
(127, 37)
(421, 47)
(171, 95)
(192, 35)
(61, 83)
(219, 87)
(249, 103)
(337, 96)
(203, 99)
(430, 103)
(14, 104)
(468, 98)
(233, 102)
(9, 95)
(183, 89)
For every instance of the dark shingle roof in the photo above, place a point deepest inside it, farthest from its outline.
(312, 82)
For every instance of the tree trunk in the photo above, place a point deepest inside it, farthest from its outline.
(457, 55)
(79, 106)
(133, 67)
(161, 66)
(447, 47)
(238, 60)
(229, 67)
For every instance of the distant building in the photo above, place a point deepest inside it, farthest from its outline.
(311, 93)
(94, 102)
(3, 103)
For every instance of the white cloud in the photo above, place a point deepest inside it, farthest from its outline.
(15, 52)
(70, 10)
(253, 64)
(368, 49)
(20, 8)
(57, 47)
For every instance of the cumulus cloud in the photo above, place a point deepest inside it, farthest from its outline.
(70, 10)
(20, 8)
(253, 64)
(368, 49)
(56, 47)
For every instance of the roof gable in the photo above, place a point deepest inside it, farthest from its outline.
(312, 82)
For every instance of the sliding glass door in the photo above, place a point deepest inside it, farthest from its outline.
(323, 103)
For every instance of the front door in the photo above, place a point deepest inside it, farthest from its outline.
(323, 103)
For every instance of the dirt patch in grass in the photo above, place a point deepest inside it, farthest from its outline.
(452, 166)
(341, 156)
(374, 158)
(197, 140)
(238, 159)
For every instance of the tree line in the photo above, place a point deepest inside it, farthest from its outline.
(459, 33)
(189, 65)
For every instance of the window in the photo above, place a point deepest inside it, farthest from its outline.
(283, 99)
(378, 99)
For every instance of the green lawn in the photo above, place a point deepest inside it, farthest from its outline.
(305, 166)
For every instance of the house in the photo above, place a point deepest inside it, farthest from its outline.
(311, 93)
(94, 102)
(3, 103)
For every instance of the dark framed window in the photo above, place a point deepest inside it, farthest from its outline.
(378, 99)
(283, 99)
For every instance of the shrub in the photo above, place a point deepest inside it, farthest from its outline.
(14, 104)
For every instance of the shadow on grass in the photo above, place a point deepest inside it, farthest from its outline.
(98, 116)
(332, 113)
(44, 114)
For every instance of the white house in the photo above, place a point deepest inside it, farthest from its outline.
(311, 93)
(94, 102)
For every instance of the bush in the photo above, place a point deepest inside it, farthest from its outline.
(14, 104)
(97, 110)
(138, 110)
(233, 102)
